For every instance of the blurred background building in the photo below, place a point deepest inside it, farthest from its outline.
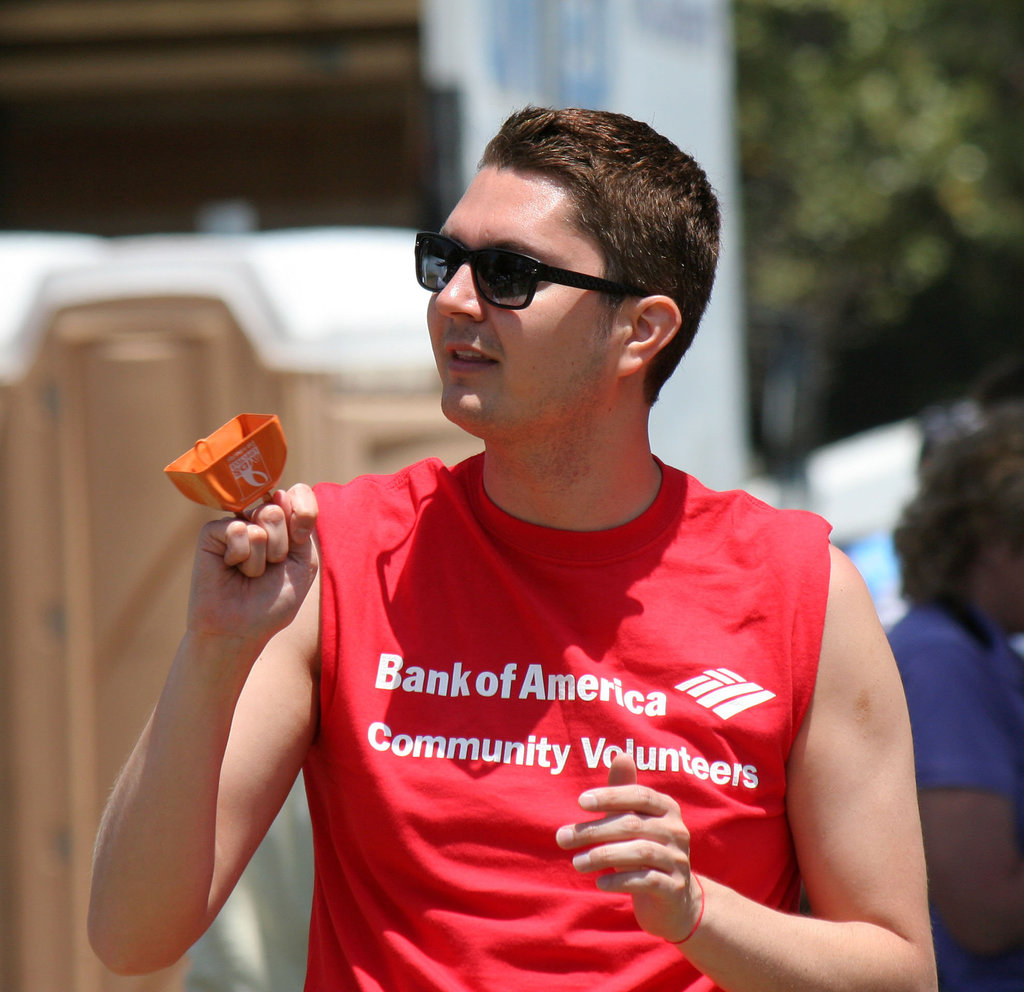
(127, 129)
(133, 116)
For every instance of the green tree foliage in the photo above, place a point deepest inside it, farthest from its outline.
(882, 152)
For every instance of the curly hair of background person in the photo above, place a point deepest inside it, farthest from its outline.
(971, 495)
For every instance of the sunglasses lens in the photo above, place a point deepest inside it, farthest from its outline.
(506, 278)
(437, 259)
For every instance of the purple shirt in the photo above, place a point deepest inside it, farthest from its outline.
(965, 690)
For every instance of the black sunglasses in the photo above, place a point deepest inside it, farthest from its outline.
(503, 278)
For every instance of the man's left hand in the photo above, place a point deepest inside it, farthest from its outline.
(642, 847)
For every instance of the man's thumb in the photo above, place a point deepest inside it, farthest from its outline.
(622, 770)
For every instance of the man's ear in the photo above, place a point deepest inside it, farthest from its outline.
(654, 321)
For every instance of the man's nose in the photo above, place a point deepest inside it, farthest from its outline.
(460, 295)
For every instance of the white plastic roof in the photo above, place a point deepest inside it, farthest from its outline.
(25, 262)
(335, 299)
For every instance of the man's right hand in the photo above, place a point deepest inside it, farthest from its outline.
(251, 575)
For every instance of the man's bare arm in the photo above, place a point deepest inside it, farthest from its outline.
(223, 746)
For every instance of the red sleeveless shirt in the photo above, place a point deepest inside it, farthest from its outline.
(479, 673)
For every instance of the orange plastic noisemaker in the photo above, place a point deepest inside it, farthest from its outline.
(234, 468)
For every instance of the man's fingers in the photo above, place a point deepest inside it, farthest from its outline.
(632, 810)
(616, 828)
(627, 798)
(245, 547)
(629, 855)
(300, 509)
(272, 518)
(623, 793)
(274, 529)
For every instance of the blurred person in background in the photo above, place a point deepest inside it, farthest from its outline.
(961, 545)
(874, 553)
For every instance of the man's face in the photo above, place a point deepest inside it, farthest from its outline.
(520, 374)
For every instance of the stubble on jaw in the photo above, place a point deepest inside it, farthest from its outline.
(553, 440)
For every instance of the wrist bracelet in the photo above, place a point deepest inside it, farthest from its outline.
(700, 915)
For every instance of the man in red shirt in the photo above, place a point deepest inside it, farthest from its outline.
(567, 718)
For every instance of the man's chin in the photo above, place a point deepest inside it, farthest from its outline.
(466, 412)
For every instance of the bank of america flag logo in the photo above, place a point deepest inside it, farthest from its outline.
(724, 692)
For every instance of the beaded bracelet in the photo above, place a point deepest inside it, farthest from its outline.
(700, 915)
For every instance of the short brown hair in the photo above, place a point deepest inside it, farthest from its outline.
(971, 495)
(648, 205)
